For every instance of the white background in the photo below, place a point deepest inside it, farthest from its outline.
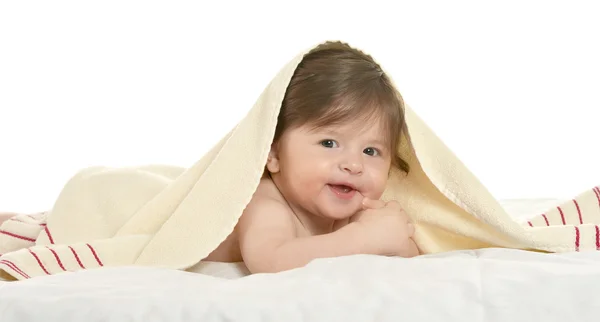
(511, 86)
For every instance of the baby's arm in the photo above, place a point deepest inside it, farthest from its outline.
(268, 240)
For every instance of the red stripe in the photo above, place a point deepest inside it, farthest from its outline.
(39, 262)
(49, 236)
(562, 215)
(16, 236)
(530, 224)
(597, 238)
(95, 255)
(13, 267)
(597, 191)
(578, 211)
(546, 219)
(76, 257)
(576, 238)
(57, 259)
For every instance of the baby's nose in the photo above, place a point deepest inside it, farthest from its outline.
(353, 167)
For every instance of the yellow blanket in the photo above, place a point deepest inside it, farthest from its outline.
(174, 217)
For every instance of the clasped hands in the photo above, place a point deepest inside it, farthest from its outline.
(388, 228)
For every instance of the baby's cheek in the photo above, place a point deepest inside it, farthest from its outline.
(379, 184)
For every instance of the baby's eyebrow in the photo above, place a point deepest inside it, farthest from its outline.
(378, 141)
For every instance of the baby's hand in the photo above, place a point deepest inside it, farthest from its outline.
(388, 230)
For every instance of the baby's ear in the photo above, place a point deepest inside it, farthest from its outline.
(273, 160)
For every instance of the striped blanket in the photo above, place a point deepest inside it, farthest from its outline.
(21, 231)
(582, 213)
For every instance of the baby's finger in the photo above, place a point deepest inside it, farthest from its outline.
(372, 204)
(413, 249)
(393, 204)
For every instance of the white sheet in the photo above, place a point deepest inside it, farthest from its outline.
(484, 285)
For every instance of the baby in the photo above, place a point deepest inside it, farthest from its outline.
(334, 147)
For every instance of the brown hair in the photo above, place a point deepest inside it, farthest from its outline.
(335, 83)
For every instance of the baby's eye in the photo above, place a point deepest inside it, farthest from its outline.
(329, 143)
(371, 151)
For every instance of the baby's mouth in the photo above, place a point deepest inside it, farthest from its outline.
(342, 191)
(341, 188)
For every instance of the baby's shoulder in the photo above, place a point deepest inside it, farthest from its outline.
(267, 200)
(266, 214)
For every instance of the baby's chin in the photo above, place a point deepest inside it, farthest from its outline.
(341, 213)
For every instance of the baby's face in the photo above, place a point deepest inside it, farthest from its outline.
(328, 171)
